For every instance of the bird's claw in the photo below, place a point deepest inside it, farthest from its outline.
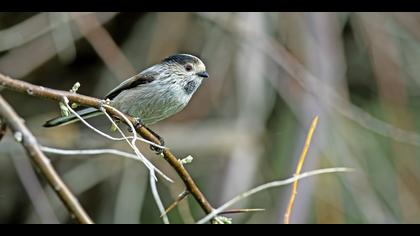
(138, 124)
(158, 150)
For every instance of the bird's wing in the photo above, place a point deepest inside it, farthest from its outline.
(144, 77)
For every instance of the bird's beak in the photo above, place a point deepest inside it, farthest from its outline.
(203, 74)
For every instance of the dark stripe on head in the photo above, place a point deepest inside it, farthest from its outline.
(181, 59)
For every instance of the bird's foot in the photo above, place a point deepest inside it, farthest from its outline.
(138, 124)
(158, 150)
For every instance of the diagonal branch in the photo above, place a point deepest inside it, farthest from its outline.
(180, 197)
(24, 136)
(104, 45)
(57, 95)
(299, 168)
(236, 211)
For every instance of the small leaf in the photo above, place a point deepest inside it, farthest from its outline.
(223, 220)
(75, 87)
(64, 110)
(187, 160)
(113, 128)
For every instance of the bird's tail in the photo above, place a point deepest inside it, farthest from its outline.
(65, 120)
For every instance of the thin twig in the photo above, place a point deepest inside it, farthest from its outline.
(25, 137)
(273, 184)
(66, 103)
(157, 198)
(88, 152)
(152, 168)
(299, 168)
(180, 197)
(132, 144)
(138, 153)
(57, 95)
(235, 211)
(67, 106)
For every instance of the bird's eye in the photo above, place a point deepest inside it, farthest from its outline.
(188, 67)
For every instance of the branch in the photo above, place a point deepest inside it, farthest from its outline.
(236, 211)
(132, 144)
(180, 197)
(89, 152)
(267, 186)
(156, 196)
(299, 168)
(57, 95)
(25, 137)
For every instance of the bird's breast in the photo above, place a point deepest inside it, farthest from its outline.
(190, 87)
(156, 101)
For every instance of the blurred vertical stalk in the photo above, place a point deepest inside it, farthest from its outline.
(131, 194)
(386, 62)
(83, 178)
(33, 187)
(311, 37)
(167, 23)
(63, 36)
(252, 109)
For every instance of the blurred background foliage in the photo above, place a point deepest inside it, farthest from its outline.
(270, 74)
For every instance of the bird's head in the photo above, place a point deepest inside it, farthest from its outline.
(187, 66)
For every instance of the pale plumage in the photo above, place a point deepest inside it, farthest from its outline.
(154, 94)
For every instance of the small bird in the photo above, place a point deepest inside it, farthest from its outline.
(152, 95)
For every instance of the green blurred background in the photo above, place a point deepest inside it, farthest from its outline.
(270, 74)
